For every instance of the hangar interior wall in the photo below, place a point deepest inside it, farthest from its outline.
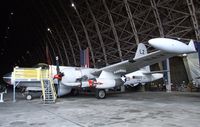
(192, 66)
(178, 71)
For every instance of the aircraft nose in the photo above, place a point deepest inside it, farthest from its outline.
(7, 78)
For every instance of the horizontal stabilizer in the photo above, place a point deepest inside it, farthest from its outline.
(192, 46)
(153, 72)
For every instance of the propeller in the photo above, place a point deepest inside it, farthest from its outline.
(94, 83)
(90, 82)
(58, 75)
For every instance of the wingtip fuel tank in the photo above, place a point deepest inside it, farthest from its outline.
(172, 46)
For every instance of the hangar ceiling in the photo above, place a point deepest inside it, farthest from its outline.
(111, 29)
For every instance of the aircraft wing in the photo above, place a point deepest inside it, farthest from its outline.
(135, 64)
(166, 48)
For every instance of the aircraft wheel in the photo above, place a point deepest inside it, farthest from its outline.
(100, 93)
(28, 97)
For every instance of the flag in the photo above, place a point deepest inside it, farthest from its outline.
(84, 58)
(87, 61)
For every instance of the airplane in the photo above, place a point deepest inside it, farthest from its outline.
(68, 78)
(144, 75)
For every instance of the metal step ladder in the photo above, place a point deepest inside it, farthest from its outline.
(48, 90)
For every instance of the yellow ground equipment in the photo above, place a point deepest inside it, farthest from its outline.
(42, 76)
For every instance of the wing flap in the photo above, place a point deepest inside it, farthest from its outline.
(153, 72)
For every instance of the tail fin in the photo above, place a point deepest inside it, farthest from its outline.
(142, 51)
(192, 46)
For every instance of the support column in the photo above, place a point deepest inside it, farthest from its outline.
(168, 85)
(1, 97)
(14, 100)
(161, 31)
(113, 30)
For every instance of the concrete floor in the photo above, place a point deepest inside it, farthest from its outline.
(142, 109)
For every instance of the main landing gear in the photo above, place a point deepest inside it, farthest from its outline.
(100, 93)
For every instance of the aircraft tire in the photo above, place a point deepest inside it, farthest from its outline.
(100, 94)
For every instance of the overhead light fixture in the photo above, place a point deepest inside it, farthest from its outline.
(73, 5)
(48, 29)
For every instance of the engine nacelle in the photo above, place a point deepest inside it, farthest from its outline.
(102, 83)
(108, 83)
(63, 90)
(70, 75)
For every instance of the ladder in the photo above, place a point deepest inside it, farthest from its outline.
(36, 75)
(48, 89)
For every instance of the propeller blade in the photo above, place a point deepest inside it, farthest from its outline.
(57, 65)
(90, 82)
(58, 76)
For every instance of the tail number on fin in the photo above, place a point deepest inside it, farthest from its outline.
(142, 51)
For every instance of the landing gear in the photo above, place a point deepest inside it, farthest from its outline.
(100, 93)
